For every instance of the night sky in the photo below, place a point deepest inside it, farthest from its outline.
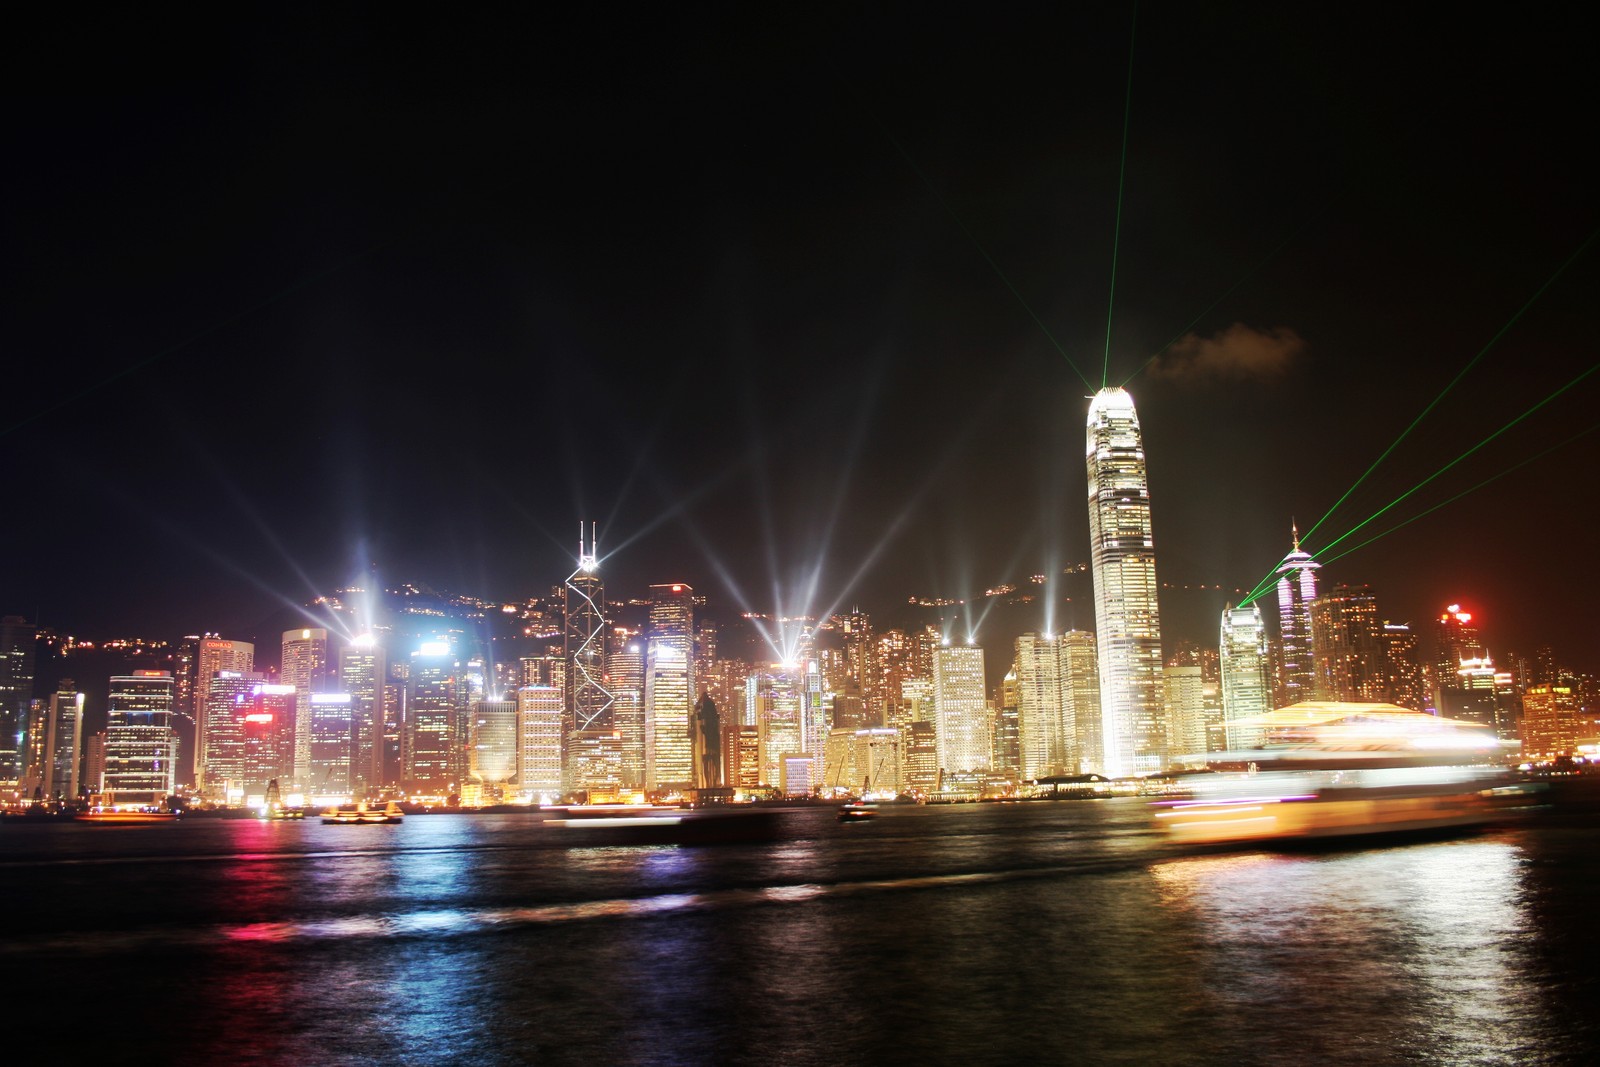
(292, 291)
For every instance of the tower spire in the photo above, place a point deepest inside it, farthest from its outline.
(1294, 533)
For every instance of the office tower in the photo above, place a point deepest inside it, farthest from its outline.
(188, 706)
(1080, 679)
(431, 745)
(1186, 713)
(17, 639)
(267, 736)
(63, 738)
(895, 664)
(1402, 669)
(493, 759)
(225, 704)
(741, 755)
(960, 709)
(541, 754)
(333, 737)
(861, 666)
(1347, 645)
(626, 681)
(1007, 756)
(669, 689)
(1042, 724)
(584, 632)
(1127, 614)
(363, 668)
(773, 707)
(212, 654)
(306, 667)
(1550, 722)
(1455, 640)
(1245, 686)
(1473, 696)
(141, 745)
(919, 751)
(1297, 589)
(863, 761)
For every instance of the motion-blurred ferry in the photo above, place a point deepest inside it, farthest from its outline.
(359, 813)
(1333, 769)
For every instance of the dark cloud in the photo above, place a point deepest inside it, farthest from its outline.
(1237, 352)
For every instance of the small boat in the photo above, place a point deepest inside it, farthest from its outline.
(361, 813)
(125, 816)
(622, 824)
(857, 811)
(274, 809)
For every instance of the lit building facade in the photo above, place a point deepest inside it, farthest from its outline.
(333, 736)
(307, 668)
(584, 633)
(1347, 646)
(1186, 713)
(141, 751)
(212, 655)
(1297, 589)
(1127, 613)
(541, 756)
(63, 740)
(363, 670)
(432, 749)
(1550, 722)
(1246, 691)
(1080, 676)
(669, 689)
(228, 692)
(267, 733)
(960, 709)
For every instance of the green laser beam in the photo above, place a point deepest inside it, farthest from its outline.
(1459, 458)
(984, 253)
(1262, 262)
(1122, 173)
(1494, 478)
(1459, 375)
(171, 350)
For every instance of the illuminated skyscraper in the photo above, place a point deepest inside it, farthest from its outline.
(1348, 646)
(626, 681)
(1080, 679)
(333, 737)
(432, 747)
(211, 655)
(141, 745)
(669, 690)
(584, 598)
(960, 710)
(307, 668)
(362, 671)
(17, 637)
(541, 753)
(1550, 722)
(1402, 668)
(1127, 614)
(227, 696)
(1246, 690)
(1297, 589)
(493, 759)
(1186, 712)
(1042, 727)
(267, 731)
(63, 740)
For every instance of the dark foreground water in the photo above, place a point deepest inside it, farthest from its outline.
(1049, 933)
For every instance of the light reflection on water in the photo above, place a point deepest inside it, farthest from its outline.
(1061, 932)
(1418, 948)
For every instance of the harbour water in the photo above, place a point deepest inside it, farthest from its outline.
(1066, 932)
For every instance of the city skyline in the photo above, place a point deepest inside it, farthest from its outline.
(813, 332)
